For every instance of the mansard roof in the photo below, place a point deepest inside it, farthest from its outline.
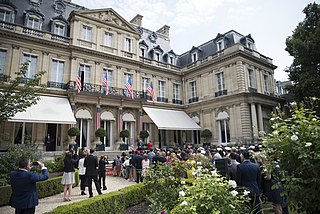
(229, 39)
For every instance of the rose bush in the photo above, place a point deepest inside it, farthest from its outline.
(293, 148)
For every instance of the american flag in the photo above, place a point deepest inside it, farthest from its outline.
(105, 82)
(78, 81)
(151, 91)
(129, 86)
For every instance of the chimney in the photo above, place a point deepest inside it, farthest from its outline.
(137, 20)
(164, 30)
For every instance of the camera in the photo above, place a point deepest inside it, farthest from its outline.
(35, 163)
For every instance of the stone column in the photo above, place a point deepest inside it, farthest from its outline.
(254, 121)
(260, 117)
(98, 112)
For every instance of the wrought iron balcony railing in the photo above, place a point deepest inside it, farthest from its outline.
(221, 93)
(101, 90)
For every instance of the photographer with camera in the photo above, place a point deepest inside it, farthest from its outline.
(24, 197)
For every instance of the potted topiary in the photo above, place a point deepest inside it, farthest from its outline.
(124, 134)
(100, 132)
(207, 135)
(73, 133)
(144, 134)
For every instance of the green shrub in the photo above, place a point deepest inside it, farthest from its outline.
(111, 203)
(45, 188)
(100, 132)
(9, 160)
(206, 134)
(74, 131)
(124, 133)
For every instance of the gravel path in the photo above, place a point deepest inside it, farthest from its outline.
(49, 203)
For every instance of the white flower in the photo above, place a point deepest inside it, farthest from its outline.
(308, 144)
(233, 183)
(214, 173)
(183, 182)
(198, 163)
(246, 192)
(234, 193)
(199, 167)
(275, 132)
(231, 206)
(182, 193)
(272, 119)
(294, 137)
(314, 119)
(293, 103)
(194, 173)
(184, 203)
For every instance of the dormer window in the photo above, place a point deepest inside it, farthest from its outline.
(171, 60)
(249, 44)
(34, 22)
(143, 49)
(157, 56)
(6, 14)
(59, 28)
(220, 45)
(143, 52)
(194, 56)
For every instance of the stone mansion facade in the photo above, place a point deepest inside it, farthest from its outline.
(224, 85)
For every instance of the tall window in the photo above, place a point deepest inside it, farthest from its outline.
(128, 45)
(193, 89)
(32, 67)
(219, 45)
(171, 60)
(176, 91)
(34, 22)
(194, 56)
(251, 80)
(157, 56)
(86, 33)
(87, 74)
(125, 79)
(3, 54)
(59, 28)
(144, 84)
(224, 131)
(108, 39)
(266, 83)
(220, 81)
(109, 76)
(57, 71)
(162, 89)
(143, 52)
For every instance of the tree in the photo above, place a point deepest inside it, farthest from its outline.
(16, 95)
(206, 134)
(293, 149)
(303, 45)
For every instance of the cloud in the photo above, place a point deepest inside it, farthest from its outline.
(241, 12)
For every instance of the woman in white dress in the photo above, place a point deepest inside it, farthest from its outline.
(145, 166)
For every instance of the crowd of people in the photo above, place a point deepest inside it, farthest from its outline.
(245, 165)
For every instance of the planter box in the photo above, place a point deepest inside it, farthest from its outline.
(123, 147)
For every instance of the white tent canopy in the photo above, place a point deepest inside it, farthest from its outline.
(171, 119)
(47, 110)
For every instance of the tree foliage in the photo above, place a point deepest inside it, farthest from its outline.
(303, 45)
(294, 148)
(206, 134)
(16, 96)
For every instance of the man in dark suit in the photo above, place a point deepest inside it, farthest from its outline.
(249, 176)
(24, 197)
(91, 164)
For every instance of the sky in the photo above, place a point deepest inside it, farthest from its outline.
(194, 22)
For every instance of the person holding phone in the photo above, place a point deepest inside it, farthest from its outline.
(24, 197)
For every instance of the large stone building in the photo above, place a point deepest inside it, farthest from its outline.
(224, 85)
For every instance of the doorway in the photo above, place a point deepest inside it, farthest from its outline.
(51, 136)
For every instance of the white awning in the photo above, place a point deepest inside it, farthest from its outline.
(171, 119)
(47, 110)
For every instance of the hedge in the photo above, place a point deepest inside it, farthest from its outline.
(45, 188)
(112, 203)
